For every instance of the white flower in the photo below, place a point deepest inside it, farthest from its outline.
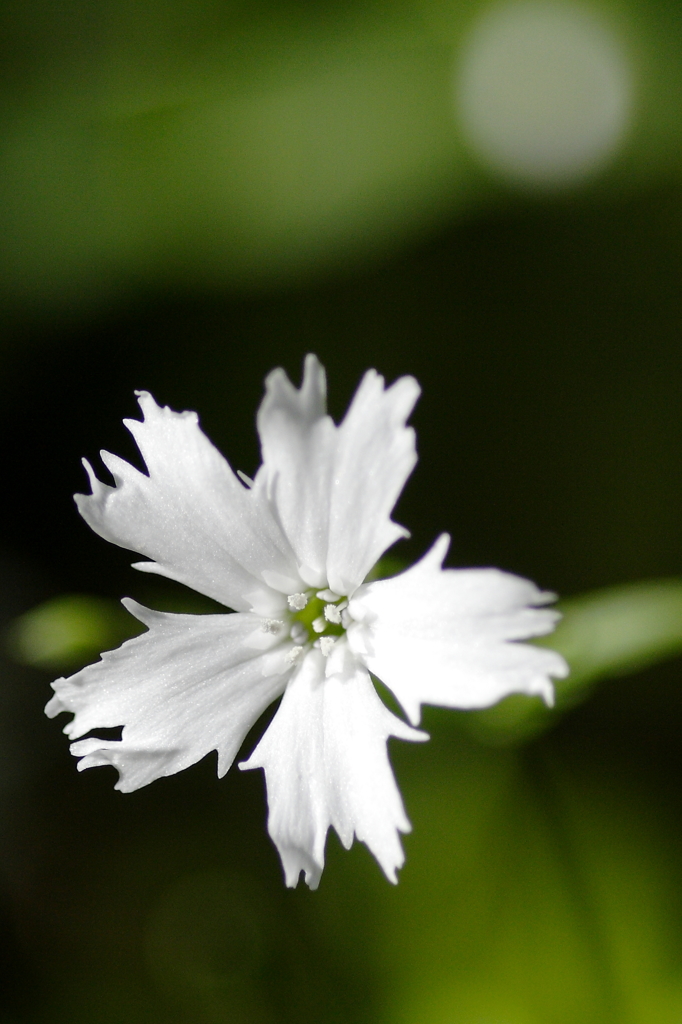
(289, 553)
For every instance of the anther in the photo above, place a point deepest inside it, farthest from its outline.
(326, 644)
(319, 624)
(328, 595)
(332, 613)
(271, 626)
(294, 654)
(297, 602)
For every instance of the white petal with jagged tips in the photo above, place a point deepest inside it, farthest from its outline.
(447, 636)
(190, 685)
(375, 456)
(191, 514)
(298, 443)
(326, 764)
(335, 487)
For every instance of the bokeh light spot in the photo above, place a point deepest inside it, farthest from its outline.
(544, 92)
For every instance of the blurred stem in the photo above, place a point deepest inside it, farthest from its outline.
(539, 766)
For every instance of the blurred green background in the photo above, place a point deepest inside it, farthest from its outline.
(487, 196)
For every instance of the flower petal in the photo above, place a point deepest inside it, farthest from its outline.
(376, 454)
(298, 443)
(190, 685)
(335, 487)
(442, 636)
(326, 764)
(191, 515)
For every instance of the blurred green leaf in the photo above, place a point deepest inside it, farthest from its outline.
(602, 634)
(619, 630)
(68, 631)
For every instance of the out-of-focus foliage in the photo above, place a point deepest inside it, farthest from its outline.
(214, 143)
(552, 895)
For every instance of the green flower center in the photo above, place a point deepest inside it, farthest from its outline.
(318, 619)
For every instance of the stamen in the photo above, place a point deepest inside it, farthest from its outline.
(294, 654)
(297, 602)
(326, 644)
(319, 624)
(332, 614)
(271, 626)
(328, 595)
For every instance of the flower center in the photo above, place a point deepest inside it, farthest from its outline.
(317, 618)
